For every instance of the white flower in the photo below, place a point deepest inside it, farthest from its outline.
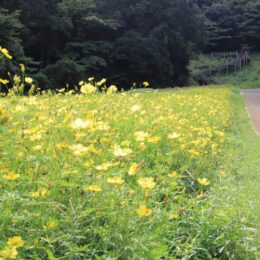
(135, 108)
(80, 124)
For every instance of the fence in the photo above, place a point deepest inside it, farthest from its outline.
(232, 62)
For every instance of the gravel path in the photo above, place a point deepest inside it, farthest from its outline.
(252, 100)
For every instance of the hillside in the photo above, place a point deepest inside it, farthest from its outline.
(245, 77)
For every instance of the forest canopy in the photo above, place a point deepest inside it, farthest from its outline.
(126, 41)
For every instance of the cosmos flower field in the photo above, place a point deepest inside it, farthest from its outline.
(120, 176)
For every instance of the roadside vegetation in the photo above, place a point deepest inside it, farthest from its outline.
(121, 175)
(104, 174)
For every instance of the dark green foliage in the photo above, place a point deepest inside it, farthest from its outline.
(232, 25)
(142, 57)
(126, 41)
(63, 71)
(62, 41)
(10, 28)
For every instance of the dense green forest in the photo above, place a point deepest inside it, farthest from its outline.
(126, 41)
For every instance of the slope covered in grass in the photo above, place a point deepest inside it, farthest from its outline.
(122, 176)
(246, 78)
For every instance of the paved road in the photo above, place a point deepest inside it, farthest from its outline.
(252, 99)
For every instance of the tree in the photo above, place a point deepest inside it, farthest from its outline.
(232, 25)
(124, 40)
(10, 33)
(159, 32)
(10, 30)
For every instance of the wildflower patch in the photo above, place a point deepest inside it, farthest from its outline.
(113, 175)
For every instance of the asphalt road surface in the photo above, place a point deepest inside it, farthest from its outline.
(252, 100)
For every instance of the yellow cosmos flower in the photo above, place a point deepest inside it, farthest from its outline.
(101, 82)
(141, 136)
(4, 81)
(37, 148)
(88, 89)
(154, 139)
(8, 253)
(133, 169)
(146, 182)
(135, 108)
(79, 124)
(146, 84)
(11, 176)
(6, 53)
(94, 188)
(126, 143)
(121, 152)
(142, 146)
(79, 150)
(173, 174)
(203, 181)
(41, 192)
(102, 126)
(112, 89)
(81, 83)
(222, 174)
(115, 180)
(173, 216)
(193, 152)
(15, 241)
(173, 135)
(28, 80)
(105, 166)
(219, 133)
(143, 211)
(17, 79)
(89, 164)
(123, 203)
(50, 225)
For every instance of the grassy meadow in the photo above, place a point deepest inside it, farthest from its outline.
(153, 175)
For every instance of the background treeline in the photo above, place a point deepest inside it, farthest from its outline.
(231, 25)
(126, 41)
